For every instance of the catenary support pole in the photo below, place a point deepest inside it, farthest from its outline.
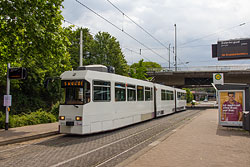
(175, 47)
(169, 57)
(80, 64)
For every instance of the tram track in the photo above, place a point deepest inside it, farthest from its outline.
(68, 138)
(145, 140)
(108, 149)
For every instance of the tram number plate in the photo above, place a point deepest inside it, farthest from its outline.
(69, 123)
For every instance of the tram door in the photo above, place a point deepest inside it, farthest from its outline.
(175, 100)
(154, 102)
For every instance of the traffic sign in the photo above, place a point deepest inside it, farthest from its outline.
(218, 78)
(7, 100)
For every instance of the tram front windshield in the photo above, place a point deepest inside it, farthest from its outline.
(76, 92)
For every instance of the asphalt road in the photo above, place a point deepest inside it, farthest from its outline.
(102, 149)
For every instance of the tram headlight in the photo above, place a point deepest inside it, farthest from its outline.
(62, 118)
(78, 118)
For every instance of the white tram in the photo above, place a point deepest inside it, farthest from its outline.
(100, 101)
(164, 99)
(180, 99)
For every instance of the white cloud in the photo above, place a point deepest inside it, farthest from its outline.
(194, 19)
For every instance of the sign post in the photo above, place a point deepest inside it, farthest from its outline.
(12, 73)
(7, 101)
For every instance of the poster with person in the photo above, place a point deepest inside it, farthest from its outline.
(231, 107)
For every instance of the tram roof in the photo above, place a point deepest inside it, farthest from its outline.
(96, 75)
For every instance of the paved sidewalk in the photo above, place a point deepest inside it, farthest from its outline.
(20, 134)
(197, 144)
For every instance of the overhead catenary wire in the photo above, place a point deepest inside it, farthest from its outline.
(137, 53)
(77, 26)
(226, 29)
(71, 23)
(183, 45)
(138, 25)
(120, 29)
(95, 34)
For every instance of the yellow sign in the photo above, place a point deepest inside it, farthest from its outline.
(217, 76)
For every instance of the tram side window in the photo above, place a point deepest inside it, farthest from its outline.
(151, 93)
(170, 95)
(164, 94)
(120, 92)
(101, 91)
(183, 96)
(86, 91)
(140, 93)
(148, 94)
(179, 95)
(131, 91)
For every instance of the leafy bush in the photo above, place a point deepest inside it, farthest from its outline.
(31, 118)
(55, 109)
(189, 95)
(2, 120)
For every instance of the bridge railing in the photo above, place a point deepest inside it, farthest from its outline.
(202, 68)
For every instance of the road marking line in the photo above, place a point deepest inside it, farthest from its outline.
(154, 143)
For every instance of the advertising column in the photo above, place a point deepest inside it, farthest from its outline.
(232, 105)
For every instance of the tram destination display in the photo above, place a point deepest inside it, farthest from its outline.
(231, 49)
(72, 83)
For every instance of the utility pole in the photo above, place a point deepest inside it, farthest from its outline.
(80, 64)
(169, 57)
(175, 47)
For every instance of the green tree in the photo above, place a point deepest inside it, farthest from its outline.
(139, 70)
(189, 95)
(100, 49)
(31, 36)
(106, 50)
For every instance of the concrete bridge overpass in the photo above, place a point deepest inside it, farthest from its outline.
(200, 76)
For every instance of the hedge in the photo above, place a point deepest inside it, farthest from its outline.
(31, 118)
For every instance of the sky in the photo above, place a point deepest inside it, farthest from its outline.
(199, 24)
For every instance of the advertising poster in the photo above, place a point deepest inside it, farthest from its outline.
(231, 107)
